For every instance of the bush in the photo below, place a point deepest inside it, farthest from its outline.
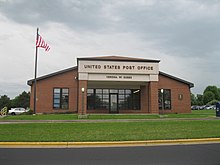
(208, 96)
(30, 112)
(213, 102)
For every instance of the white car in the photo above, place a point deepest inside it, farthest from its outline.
(17, 111)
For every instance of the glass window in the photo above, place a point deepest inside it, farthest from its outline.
(164, 99)
(98, 90)
(56, 95)
(65, 91)
(113, 91)
(128, 91)
(56, 90)
(105, 96)
(60, 98)
(90, 91)
(56, 101)
(127, 99)
(90, 99)
(121, 91)
(56, 105)
(105, 103)
(105, 91)
(136, 99)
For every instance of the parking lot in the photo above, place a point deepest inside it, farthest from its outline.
(203, 107)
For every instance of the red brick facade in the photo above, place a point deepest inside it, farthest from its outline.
(44, 103)
(179, 105)
(77, 100)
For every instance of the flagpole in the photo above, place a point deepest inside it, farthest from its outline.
(35, 75)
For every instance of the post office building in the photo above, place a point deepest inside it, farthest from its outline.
(111, 84)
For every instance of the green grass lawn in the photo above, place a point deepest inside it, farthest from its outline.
(110, 131)
(194, 114)
(42, 117)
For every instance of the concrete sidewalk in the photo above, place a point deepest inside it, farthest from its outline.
(106, 144)
(99, 120)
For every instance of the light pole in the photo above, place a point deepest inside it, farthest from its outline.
(83, 90)
(162, 100)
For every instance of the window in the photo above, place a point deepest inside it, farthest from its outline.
(60, 98)
(90, 99)
(164, 99)
(128, 99)
(97, 98)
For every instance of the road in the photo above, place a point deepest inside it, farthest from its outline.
(201, 154)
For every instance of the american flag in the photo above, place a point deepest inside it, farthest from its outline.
(41, 43)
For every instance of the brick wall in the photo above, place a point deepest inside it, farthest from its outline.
(44, 103)
(177, 88)
(149, 95)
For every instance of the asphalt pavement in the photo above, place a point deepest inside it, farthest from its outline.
(197, 154)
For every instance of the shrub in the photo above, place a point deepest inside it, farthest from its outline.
(213, 102)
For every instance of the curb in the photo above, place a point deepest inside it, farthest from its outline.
(106, 144)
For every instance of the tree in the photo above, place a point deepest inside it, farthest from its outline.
(199, 99)
(213, 102)
(208, 96)
(214, 90)
(193, 99)
(23, 100)
(5, 102)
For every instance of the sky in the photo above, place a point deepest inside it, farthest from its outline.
(183, 34)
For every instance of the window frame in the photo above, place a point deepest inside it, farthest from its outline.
(61, 101)
(164, 105)
(104, 95)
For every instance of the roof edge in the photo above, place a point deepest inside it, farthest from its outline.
(191, 85)
(117, 59)
(30, 82)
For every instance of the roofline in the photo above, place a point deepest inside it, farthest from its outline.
(191, 85)
(30, 82)
(126, 60)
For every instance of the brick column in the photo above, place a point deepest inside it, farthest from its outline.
(82, 97)
(144, 99)
(153, 97)
(32, 98)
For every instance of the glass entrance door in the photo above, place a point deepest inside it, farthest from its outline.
(113, 100)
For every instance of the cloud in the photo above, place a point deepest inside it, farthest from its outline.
(185, 35)
(80, 15)
(181, 28)
(12, 88)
